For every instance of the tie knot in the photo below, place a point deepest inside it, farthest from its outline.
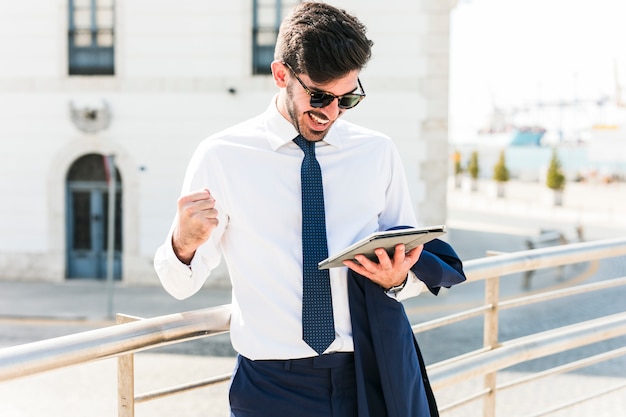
(307, 146)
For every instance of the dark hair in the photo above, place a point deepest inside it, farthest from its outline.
(322, 41)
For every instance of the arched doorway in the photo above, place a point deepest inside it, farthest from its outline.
(87, 219)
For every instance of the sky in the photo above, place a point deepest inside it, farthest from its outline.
(515, 52)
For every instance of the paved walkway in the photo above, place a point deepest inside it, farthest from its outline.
(599, 208)
(478, 222)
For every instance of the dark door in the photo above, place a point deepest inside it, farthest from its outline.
(87, 220)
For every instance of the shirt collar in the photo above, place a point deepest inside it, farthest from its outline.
(280, 131)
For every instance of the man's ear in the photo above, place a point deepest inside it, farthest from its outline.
(279, 72)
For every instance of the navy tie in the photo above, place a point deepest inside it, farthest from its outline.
(318, 327)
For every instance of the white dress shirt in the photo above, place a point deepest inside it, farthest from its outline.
(253, 172)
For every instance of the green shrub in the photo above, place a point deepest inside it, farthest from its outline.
(555, 179)
(500, 171)
(458, 168)
(472, 166)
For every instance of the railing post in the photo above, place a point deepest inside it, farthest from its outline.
(125, 377)
(490, 340)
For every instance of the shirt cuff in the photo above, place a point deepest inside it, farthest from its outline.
(412, 288)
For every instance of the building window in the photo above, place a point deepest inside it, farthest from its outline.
(266, 15)
(91, 37)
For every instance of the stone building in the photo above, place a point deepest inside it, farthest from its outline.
(144, 81)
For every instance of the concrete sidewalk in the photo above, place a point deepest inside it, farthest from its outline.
(599, 208)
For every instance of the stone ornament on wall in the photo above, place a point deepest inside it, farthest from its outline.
(89, 118)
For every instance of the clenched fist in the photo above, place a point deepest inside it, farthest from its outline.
(197, 218)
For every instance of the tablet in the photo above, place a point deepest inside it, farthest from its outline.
(411, 237)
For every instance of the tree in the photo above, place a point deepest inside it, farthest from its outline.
(473, 169)
(472, 166)
(500, 171)
(555, 179)
(500, 175)
(458, 169)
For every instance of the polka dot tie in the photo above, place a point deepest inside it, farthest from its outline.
(318, 328)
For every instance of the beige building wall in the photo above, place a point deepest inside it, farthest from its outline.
(183, 73)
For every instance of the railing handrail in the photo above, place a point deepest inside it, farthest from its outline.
(35, 357)
(124, 339)
(510, 263)
(88, 346)
(526, 348)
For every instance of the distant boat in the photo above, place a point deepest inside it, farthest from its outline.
(530, 136)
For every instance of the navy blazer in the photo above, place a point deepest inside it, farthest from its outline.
(391, 375)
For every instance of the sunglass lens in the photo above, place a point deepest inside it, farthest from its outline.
(349, 101)
(319, 100)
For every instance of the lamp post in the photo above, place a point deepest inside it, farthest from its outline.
(112, 180)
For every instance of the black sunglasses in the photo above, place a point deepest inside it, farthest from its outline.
(321, 99)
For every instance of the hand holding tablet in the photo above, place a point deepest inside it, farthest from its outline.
(410, 237)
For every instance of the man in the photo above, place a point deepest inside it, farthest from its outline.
(251, 194)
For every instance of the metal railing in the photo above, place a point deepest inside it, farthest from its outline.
(134, 335)
(494, 355)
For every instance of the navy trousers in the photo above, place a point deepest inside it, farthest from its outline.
(323, 386)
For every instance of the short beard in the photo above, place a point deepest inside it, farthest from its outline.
(291, 109)
(293, 114)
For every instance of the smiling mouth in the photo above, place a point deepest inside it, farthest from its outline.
(321, 120)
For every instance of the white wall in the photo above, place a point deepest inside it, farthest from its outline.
(174, 66)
